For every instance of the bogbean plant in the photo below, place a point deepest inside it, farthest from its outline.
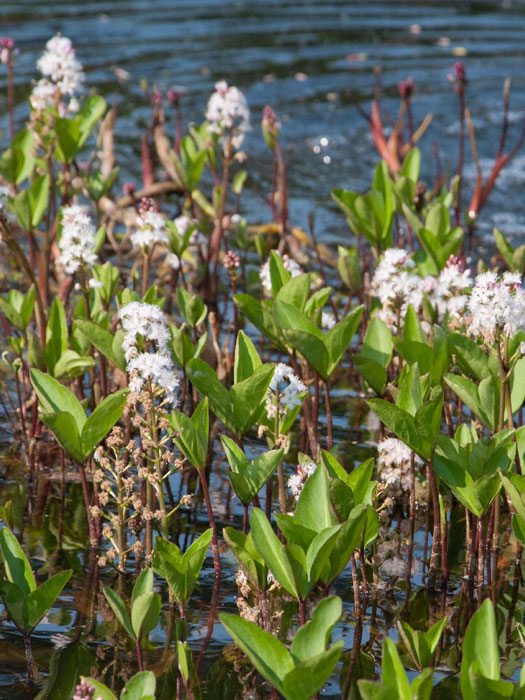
(139, 329)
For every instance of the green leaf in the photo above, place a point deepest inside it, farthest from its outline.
(319, 553)
(505, 249)
(481, 400)
(192, 433)
(377, 343)
(248, 396)
(39, 601)
(272, 551)
(372, 372)
(247, 477)
(295, 291)
(312, 638)
(348, 267)
(141, 687)
(310, 675)
(480, 645)
(64, 428)
(70, 365)
(247, 556)
(246, 359)
(313, 507)
(144, 584)
(22, 209)
(278, 274)
(350, 537)
(269, 656)
(486, 688)
(66, 667)
(181, 571)
(38, 195)
(203, 377)
(470, 356)
(56, 334)
(68, 137)
(303, 335)
(117, 605)
(54, 397)
(17, 568)
(373, 691)
(102, 420)
(26, 309)
(145, 612)
(515, 496)
(103, 340)
(517, 385)
(412, 164)
(339, 338)
(401, 423)
(91, 110)
(14, 602)
(428, 421)
(394, 675)
(191, 307)
(260, 316)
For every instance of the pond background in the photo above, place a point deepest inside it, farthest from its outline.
(312, 61)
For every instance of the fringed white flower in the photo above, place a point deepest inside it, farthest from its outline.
(496, 306)
(284, 392)
(151, 229)
(144, 323)
(62, 76)
(146, 349)
(297, 480)
(228, 111)
(396, 286)
(158, 369)
(77, 239)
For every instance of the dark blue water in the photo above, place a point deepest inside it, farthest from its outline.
(312, 61)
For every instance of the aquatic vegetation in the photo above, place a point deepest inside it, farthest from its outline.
(350, 421)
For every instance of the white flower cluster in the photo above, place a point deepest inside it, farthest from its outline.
(297, 480)
(284, 391)
(158, 369)
(77, 240)
(327, 320)
(290, 265)
(151, 229)
(446, 292)
(496, 305)
(228, 110)
(62, 74)
(393, 462)
(396, 286)
(144, 325)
